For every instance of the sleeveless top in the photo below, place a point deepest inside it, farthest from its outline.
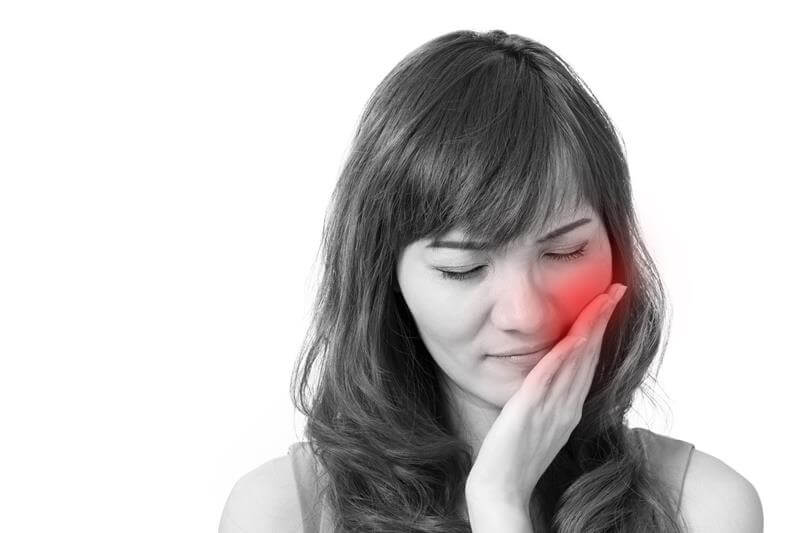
(669, 456)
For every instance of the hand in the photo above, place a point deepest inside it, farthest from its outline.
(538, 419)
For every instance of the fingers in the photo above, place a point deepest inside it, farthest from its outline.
(588, 358)
(583, 325)
(566, 373)
(575, 376)
(539, 380)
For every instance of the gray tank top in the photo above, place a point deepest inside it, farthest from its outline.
(670, 456)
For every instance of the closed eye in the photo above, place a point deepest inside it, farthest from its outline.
(572, 256)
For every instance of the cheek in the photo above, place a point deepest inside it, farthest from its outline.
(441, 314)
(580, 286)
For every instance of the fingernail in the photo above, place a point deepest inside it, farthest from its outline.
(619, 291)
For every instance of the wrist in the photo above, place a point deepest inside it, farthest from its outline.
(483, 495)
(487, 515)
(513, 506)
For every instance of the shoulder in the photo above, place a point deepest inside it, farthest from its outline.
(264, 499)
(717, 498)
(713, 496)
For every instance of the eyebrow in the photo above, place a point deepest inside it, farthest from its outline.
(474, 245)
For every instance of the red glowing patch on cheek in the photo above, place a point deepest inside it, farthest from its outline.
(576, 289)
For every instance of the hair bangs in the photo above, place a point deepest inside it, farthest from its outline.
(497, 164)
(545, 192)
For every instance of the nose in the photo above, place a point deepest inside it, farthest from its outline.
(520, 304)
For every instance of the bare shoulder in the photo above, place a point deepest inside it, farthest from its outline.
(717, 498)
(264, 500)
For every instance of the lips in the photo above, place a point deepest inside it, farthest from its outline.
(523, 350)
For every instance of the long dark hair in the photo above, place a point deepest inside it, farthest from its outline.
(485, 132)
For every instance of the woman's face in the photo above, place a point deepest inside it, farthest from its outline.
(525, 297)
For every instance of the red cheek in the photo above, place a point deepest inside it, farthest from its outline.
(574, 292)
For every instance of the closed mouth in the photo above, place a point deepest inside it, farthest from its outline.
(522, 354)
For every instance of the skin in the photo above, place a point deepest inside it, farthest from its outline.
(516, 416)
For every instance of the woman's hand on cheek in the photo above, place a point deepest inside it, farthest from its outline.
(538, 419)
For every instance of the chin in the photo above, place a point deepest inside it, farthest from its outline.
(500, 396)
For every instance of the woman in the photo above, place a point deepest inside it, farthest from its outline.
(485, 210)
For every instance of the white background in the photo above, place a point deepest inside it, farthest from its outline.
(165, 167)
